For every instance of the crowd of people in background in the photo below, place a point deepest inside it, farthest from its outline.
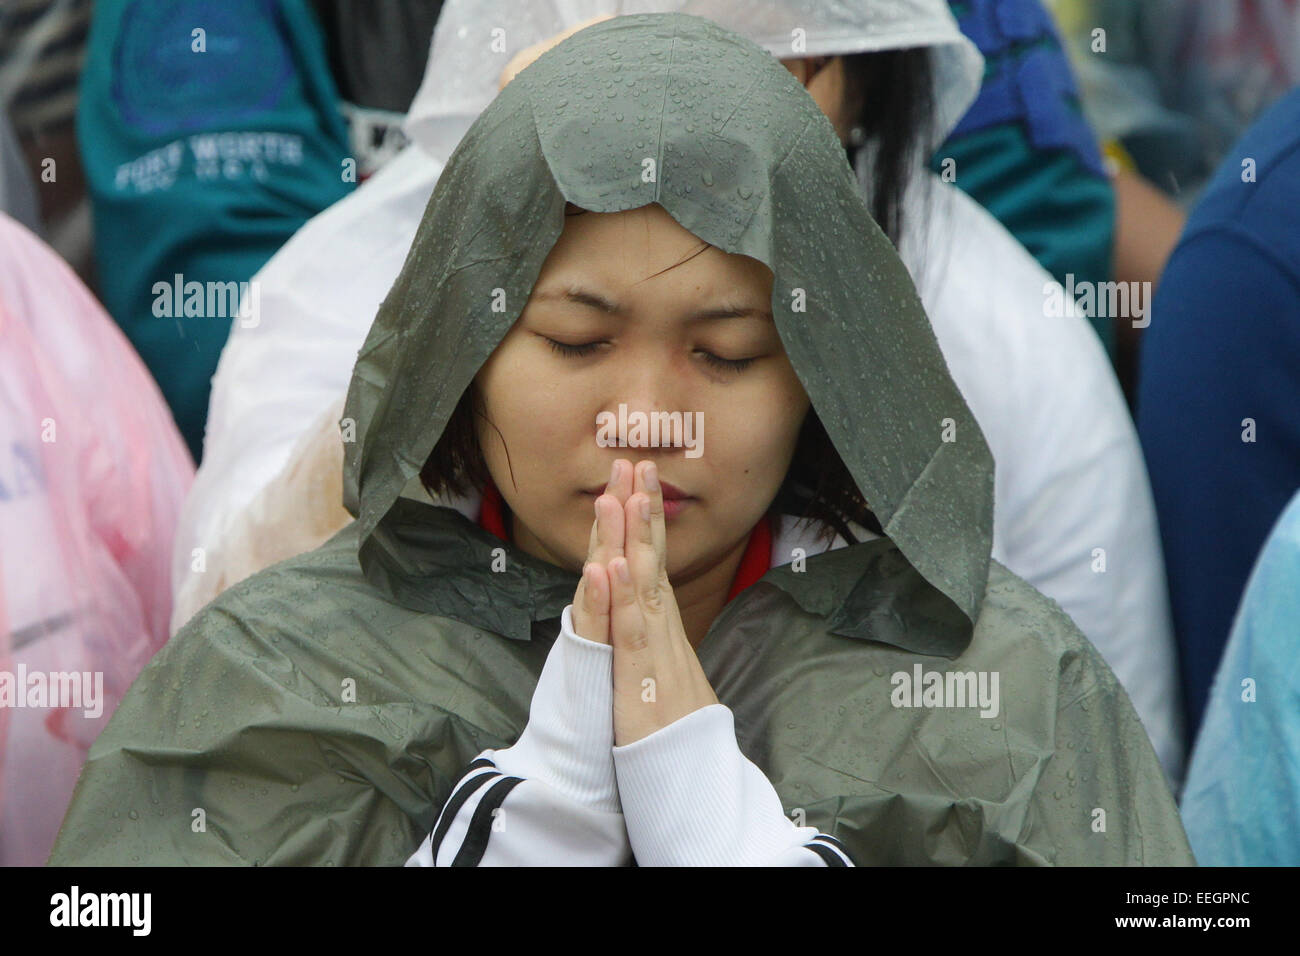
(203, 205)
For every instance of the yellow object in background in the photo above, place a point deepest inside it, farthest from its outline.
(1117, 158)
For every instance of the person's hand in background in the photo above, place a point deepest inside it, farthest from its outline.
(527, 55)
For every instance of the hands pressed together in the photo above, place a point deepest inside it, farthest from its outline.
(625, 599)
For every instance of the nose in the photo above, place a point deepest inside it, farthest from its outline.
(649, 402)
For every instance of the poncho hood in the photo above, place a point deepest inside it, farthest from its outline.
(673, 109)
(475, 39)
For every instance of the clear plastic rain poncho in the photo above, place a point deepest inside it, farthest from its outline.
(1242, 802)
(92, 474)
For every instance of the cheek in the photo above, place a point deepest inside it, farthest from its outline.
(759, 427)
(538, 414)
(790, 410)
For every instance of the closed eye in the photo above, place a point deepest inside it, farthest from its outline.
(572, 351)
(726, 365)
(588, 348)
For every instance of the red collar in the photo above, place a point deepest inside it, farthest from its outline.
(754, 563)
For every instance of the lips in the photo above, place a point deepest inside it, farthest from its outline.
(670, 491)
(675, 500)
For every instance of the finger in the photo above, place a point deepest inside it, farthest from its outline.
(607, 534)
(593, 540)
(606, 541)
(641, 556)
(648, 484)
(595, 598)
(621, 480)
(582, 625)
(627, 623)
(609, 529)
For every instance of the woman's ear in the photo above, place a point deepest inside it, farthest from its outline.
(806, 68)
(799, 69)
(824, 78)
(814, 66)
(827, 85)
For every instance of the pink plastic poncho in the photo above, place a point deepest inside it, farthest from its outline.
(92, 475)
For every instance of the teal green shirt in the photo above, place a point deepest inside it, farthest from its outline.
(210, 132)
(1024, 150)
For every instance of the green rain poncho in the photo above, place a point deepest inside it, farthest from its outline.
(321, 711)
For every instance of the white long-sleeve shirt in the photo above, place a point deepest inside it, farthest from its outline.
(564, 795)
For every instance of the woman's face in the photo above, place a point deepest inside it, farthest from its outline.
(642, 331)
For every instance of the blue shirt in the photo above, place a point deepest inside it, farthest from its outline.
(1219, 393)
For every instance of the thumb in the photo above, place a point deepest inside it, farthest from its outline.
(591, 606)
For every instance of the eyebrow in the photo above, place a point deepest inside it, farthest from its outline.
(596, 301)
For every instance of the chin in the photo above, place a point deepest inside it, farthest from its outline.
(687, 562)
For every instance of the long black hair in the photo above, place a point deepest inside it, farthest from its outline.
(891, 94)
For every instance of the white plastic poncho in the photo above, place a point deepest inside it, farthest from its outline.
(1073, 516)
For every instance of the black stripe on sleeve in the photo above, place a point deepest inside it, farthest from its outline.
(827, 838)
(480, 828)
(828, 855)
(466, 790)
